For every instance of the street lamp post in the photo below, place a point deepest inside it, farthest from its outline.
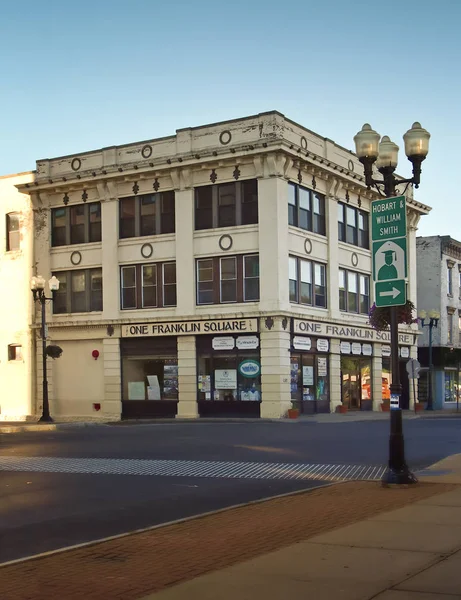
(37, 286)
(370, 149)
(433, 321)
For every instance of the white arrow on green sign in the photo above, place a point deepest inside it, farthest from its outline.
(390, 293)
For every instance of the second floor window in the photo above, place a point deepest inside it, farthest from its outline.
(307, 281)
(227, 279)
(79, 291)
(226, 204)
(450, 328)
(450, 280)
(306, 209)
(148, 286)
(77, 224)
(148, 214)
(354, 292)
(353, 226)
(12, 232)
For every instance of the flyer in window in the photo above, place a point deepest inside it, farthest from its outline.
(321, 366)
(308, 375)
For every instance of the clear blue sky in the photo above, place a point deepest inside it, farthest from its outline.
(83, 75)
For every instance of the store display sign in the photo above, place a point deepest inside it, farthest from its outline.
(385, 351)
(323, 345)
(249, 368)
(308, 375)
(367, 349)
(356, 348)
(247, 342)
(223, 343)
(363, 334)
(225, 379)
(302, 343)
(321, 366)
(345, 348)
(191, 327)
(405, 352)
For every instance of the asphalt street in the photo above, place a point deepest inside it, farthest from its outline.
(41, 511)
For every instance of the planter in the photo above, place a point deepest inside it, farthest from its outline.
(341, 409)
(293, 413)
(419, 406)
(386, 406)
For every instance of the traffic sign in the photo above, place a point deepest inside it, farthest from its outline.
(413, 368)
(388, 218)
(389, 248)
(390, 293)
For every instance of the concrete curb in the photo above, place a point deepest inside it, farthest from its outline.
(34, 427)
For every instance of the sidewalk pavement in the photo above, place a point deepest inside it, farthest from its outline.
(336, 542)
(350, 417)
(412, 553)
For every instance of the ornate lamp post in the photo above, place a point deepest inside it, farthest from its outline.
(37, 286)
(384, 153)
(432, 322)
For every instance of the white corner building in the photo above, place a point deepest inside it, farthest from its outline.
(224, 271)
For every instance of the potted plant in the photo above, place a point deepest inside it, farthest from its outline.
(386, 405)
(293, 412)
(342, 408)
(380, 317)
(419, 406)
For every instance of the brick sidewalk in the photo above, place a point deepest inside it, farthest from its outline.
(131, 567)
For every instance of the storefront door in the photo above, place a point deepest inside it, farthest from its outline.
(356, 391)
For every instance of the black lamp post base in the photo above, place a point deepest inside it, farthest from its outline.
(398, 477)
(45, 419)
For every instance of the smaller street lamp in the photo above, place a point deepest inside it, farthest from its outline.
(429, 320)
(37, 285)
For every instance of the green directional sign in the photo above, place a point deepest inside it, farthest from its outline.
(388, 218)
(389, 248)
(390, 293)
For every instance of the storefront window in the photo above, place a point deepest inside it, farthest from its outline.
(229, 369)
(149, 369)
(451, 386)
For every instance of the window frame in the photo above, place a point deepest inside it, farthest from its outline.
(66, 279)
(160, 217)
(13, 354)
(11, 233)
(69, 210)
(314, 265)
(360, 236)
(359, 278)
(216, 281)
(139, 285)
(315, 221)
(209, 217)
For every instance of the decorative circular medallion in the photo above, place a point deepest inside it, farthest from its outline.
(225, 242)
(307, 246)
(146, 151)
(354, 259)
(75, 258)
(147, 250)
(350, 166)
(303, 143)
(75, 164)
(225, 137)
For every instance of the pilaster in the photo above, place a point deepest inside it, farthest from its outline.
(187, 377)
(275, 367)
(185, 267)
(112, 405)
(110, 266)
(377, 375)
(333, 256)
(335, 374)
(273, 237)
